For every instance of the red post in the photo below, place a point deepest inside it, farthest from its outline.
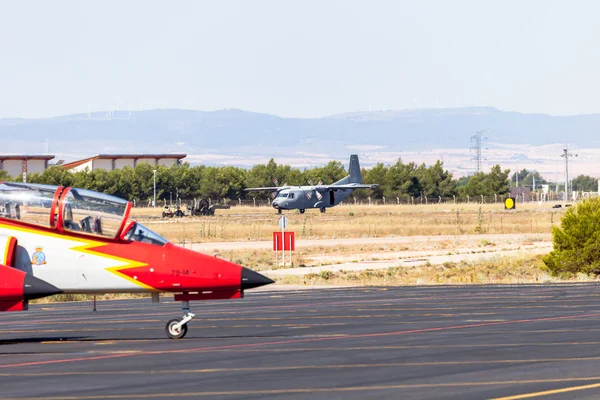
(284, 242)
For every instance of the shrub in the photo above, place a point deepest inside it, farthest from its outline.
(577, 241)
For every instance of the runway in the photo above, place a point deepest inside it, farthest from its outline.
(469, 342)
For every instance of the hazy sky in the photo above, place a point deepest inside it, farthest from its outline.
(304, 58)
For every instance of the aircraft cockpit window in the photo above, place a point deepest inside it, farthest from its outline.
(139, 233)
(86, 211)
(29, 203)
(283, 194)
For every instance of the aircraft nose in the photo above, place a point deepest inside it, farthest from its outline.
(274, 204)
(252, 279)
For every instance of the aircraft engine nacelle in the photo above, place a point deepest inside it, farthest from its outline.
(18, 287)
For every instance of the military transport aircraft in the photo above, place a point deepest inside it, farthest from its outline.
(56, 239)
(317, 196)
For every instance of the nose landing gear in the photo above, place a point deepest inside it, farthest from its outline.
(177, 329)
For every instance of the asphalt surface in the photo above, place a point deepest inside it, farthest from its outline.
(476, 342)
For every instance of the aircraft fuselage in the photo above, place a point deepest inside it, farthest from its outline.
(301, 198)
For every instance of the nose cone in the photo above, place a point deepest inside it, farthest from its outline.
(251, 279)
(275, 205)
(35, 288)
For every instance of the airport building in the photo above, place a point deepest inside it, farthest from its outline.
(110, 162)
(18, 165)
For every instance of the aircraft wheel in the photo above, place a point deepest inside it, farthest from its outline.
(322, 209)
(302, 211)
(174, 333)
(279, 211)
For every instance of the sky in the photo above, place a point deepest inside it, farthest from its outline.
(306, 58)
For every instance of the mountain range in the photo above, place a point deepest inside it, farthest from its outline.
(244, 138)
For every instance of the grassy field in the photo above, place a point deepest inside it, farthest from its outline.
(504, 270)
(243, 223)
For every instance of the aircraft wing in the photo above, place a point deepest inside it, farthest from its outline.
(258, 189)
(346, 186)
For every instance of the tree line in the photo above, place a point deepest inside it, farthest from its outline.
(187, 182)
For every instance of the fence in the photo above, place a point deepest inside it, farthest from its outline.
(551, 197)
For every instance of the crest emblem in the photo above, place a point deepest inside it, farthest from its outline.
(38, 258)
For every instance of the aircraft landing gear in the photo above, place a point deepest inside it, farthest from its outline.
(279, 211)
(322, 209)
(302, 211)
(177, 329)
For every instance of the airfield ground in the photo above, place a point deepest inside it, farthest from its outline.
(351, 318)
(378, 244)
(444, 342)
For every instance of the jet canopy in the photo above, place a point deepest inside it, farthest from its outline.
(64, 209)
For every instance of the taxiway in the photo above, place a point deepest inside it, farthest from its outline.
(459, 342)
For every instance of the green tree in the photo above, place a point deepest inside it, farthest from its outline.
(527, 181)
(585, 183)
(330, 173)
(475, 186)
(4, 176)
(497, 181)
(402, 179)
(262, 175)
(375, 175)
(577, 241)
(231, 181)
(55, 175)
(521, 175)
(438, 181)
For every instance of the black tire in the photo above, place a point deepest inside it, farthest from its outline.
(322, 209)
(279, 211)
(302, 211)
(171, 333)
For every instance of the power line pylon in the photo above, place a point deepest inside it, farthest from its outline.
(476, 141)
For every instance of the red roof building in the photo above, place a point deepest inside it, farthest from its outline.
(117, 161)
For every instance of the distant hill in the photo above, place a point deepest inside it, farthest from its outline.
(243, 134)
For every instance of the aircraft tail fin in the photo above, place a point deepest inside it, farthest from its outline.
(354, 169)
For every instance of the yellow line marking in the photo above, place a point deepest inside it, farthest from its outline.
(536, 394)
(311, 390)
(287, 368)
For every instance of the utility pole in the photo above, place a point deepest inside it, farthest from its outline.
(154, 203)
(566, 155)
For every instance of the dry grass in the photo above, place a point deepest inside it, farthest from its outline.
(244, 223)
(60, 298)
(504, 270)
(264, 259)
